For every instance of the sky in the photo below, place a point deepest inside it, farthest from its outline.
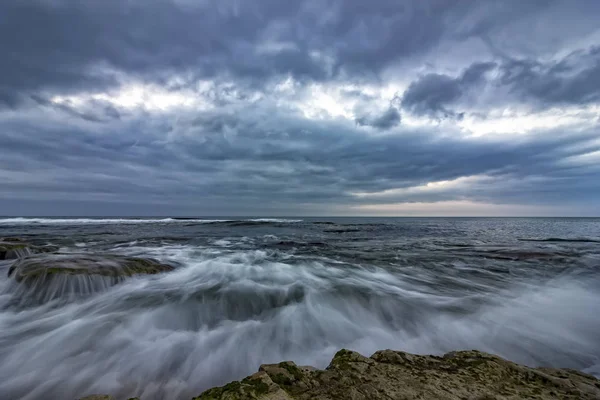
(307, 107)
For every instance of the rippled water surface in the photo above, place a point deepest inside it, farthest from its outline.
(252, 291)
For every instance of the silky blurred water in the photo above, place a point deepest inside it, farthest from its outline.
(252, 291)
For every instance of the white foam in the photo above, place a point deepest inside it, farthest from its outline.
(221, 315)
(276, 220)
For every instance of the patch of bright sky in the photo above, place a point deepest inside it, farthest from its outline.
(509, 120)
(137, 95)
(592, 158)
(456, 208)
(323, 101)
(320, 101)
(436, 186)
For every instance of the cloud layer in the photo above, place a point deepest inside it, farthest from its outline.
(308, 108)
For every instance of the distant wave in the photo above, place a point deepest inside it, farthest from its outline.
(293, 243)
(574, 240)
(257, 221)
(276, 220)
(122, 221)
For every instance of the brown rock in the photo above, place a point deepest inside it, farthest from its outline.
(41, 278)
(46, 266)
(387, 374)
(13, 248)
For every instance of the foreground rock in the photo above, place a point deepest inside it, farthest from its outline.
(41, 278)
(463, 375)
(13, 248)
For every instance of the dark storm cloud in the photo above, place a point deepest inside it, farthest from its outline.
(94, 111)
(433, 94)
(250, 147)
(69, 46)
(72, 46)
(572, 80)
(8, 99)
(293, 160)
(386, 120)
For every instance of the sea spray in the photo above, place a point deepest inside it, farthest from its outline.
(227, 309)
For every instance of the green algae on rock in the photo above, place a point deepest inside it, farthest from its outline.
(44, 266)
(463, 375)
(41, 278)
(13, 248)
(257, 386)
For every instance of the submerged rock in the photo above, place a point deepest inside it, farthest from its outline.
(463, 375)
(45, 277)
(13, 248)
(44, 266)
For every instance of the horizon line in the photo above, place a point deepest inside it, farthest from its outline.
(182, 217)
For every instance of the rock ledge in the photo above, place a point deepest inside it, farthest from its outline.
(14, 248)
(387, 374)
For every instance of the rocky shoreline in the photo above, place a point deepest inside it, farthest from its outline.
(387, 374)
(40, 272)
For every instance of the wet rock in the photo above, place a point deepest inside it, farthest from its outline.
(41, 278)
(12, 239)
(13, 248)
(463, 375)
(257, 386)
(46, 266)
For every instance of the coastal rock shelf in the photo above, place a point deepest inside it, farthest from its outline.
(14, 248)
(40, 278)
(47, 266)
(387, 374)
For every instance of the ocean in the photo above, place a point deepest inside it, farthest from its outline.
(247, 291)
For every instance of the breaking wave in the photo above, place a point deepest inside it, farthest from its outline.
(224, 312)
(567, 240)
